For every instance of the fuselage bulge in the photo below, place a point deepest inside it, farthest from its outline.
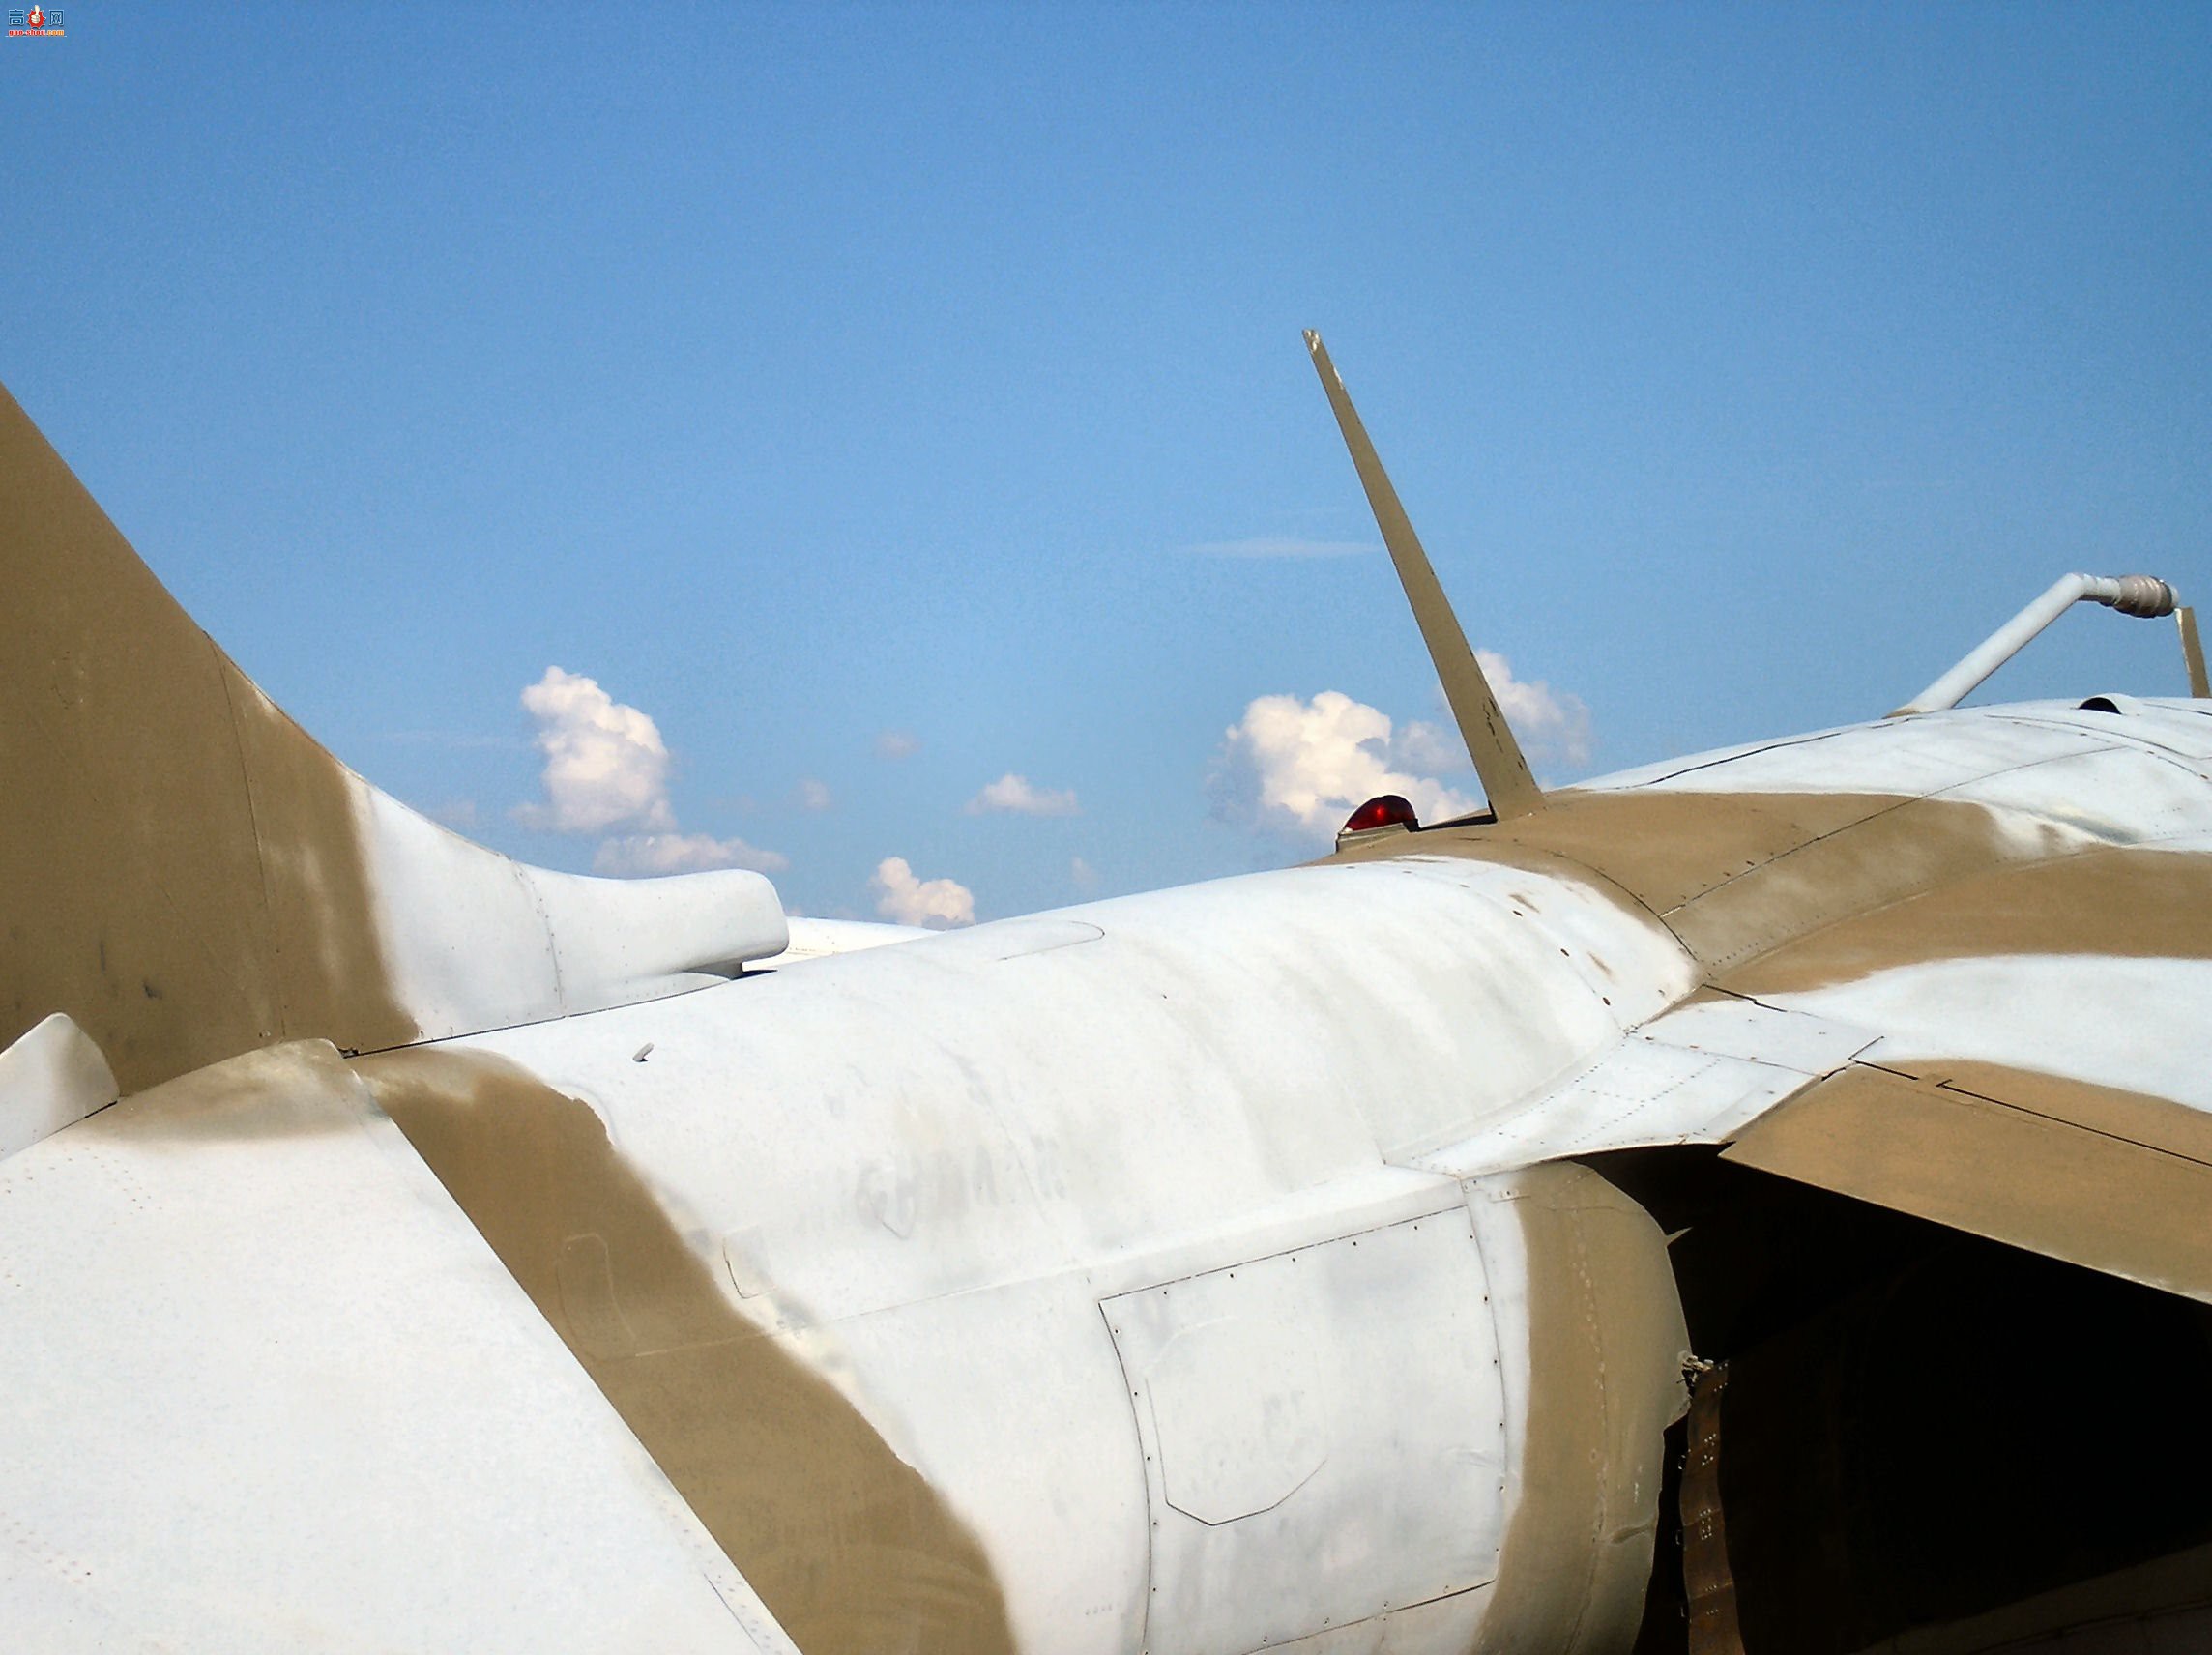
(1107, 1222)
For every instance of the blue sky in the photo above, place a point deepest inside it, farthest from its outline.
(800, 375)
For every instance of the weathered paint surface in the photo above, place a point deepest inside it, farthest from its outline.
(846, 1544)
(2099, 1176)
(838, 1252)
(1605, 1343)
(858, 1255)
(924, 1170)
(267, 1390)
(917, 1165)
(1305, 1416)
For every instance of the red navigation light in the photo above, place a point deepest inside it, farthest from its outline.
(1385, 810)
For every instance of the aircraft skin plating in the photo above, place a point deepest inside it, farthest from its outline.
(931, 1165)
(1199, 1271)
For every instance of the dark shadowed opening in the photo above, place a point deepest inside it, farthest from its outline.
(1920, 1426)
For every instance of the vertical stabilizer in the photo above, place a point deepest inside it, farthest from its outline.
(180, 867)
(186, 874)
(1490, 743)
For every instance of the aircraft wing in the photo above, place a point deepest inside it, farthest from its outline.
(2102, 1177)
(1977, 998)
(2098, 1175)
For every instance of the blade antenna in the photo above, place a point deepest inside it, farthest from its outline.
(1482, 726)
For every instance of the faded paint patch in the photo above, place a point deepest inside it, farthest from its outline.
(848, 1545)
(323, 955)
(1918, 846)
(2139, 904)
(1670, 849)
(275, 1091)
(1605, 1343)
(1778, 892)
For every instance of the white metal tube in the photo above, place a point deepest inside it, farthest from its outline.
(2129, 594)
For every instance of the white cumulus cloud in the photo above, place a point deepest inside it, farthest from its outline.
(1300, 767)
(1081, 874)
(606, 767)
(1015, 796)
(910, 901)
(1553, 726)
(814, 795)
(605, 763)
(1429, 749)
(897, 744)
(639, 854)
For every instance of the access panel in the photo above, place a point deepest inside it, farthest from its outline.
(1324, 1435)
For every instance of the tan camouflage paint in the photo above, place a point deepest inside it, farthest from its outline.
(1605, 1343)
(180, 870)
(1772, 892)
(2108, 1180)
(848, 1546)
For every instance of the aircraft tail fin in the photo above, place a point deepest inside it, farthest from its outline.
(174, 850)
(187, 875)
(1490, 741)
